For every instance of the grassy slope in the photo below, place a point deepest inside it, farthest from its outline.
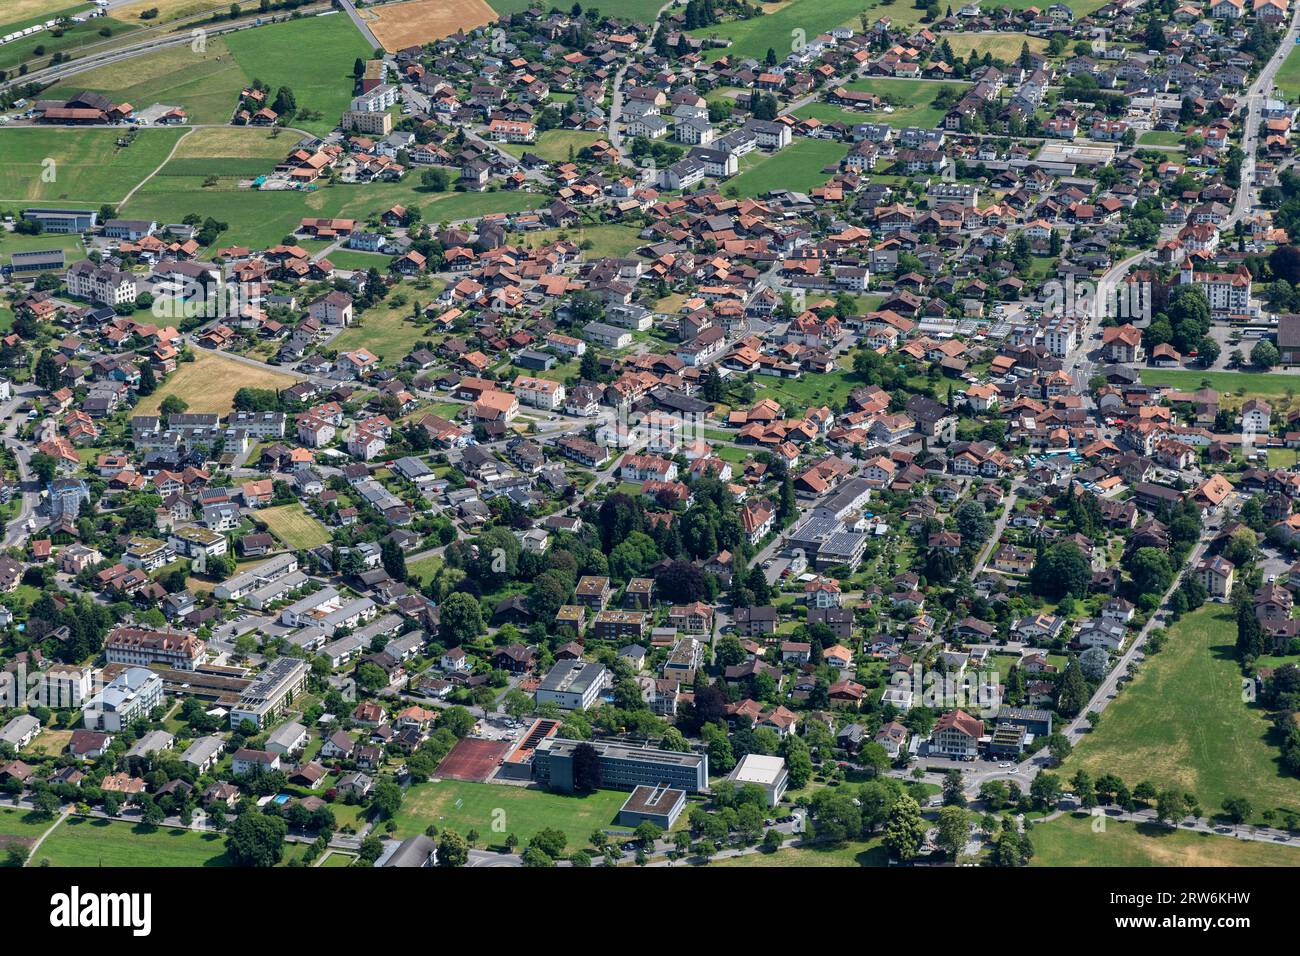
(87, 165)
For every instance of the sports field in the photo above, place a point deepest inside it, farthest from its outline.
(466, 806)
(209, 383)
(1182, 723)
(292, 525)
(1072, 841)
(800, 166)
(417, 22)
(77, 165)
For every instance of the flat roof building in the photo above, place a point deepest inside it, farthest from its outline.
(764, 771)
(659, 805)
(622, 766)
(265, 699)
(573, 685)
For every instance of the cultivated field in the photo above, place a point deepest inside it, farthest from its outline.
(416, 22)
(1071, 841)
(466, 806)
(800, 166)
(210, 382)
(77, 165)
(292, 525)
(1182, 723)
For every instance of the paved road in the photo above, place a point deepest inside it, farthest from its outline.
(15, 532)
(355, 17)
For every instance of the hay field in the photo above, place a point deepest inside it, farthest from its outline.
(398, 25)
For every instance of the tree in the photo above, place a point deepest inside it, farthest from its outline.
(387, 800)
(586, 768)
(1238, 809)
(394, 560)
(256, 839)
(1060, 570)
(905, 831)
(1265, 354)
(954, 831)
(453, 849)
(173, 405)
(461, 619)
(1151, 571)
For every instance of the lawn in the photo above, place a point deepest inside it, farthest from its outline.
(555, 145)
(292, 525)
(800, 167)
(854, 854)
(351, 259)
(423, 570)
(230, 151)
(388, 331)
(1160, 137)
(1288, 75)
(912, 100)
(11, 242)
(334, 859)
(209, 383)
(1071, 841)
(1182, 723)
(77, 165)
(496, 810)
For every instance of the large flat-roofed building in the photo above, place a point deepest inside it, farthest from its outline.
(573, 685)
(130, 696)
(763, 771)
(62, 221)
(622, 766)
(658, 805)
(265, 699)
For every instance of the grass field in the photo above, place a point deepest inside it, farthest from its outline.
(424, 569)
(210, 382)
(11, 242)
(1070, 841)
(1288, 75)
(781, 29)
(855, 854)
(206, 83)
(84, 842)
(606, 241)
(1160, 137)
(912, 100)
(313, 57)
(292, 525)
(19, 827)
(1182, 723)
(417, 22)
(261, 219)
(554, 145)
(77, 165)
(351, 259)
(79, 841)
(1003, 46)
(800, 166)
(168, 9)
(642, 11)
(231, 151)
(1278, 388)
(35, 50)
(808, 390)
(466, 806)
(389, 332)
(23, 13)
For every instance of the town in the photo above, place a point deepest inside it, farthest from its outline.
(702, 434)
